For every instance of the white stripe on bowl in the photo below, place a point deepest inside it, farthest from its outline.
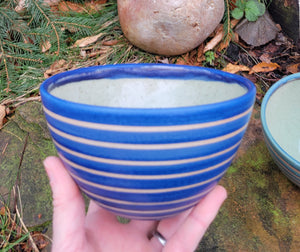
(124, 128)
(124, 202)
(126, 162)
(147, 177)
(146, 191)
(126, 211)
(147, 146)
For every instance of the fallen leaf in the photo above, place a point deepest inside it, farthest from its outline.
(2, 211)
(2, 115)
(66, 6)
(231, 68)
(110, 42)
(51, 2)
(218, 37)
(46, 46)
(87, 41)
(94, 6)
(294, 68)
(225, 43)
(265, 57)
(183, 60)
(200, 53)
(40, 240)
(215, 40)
(264, 67)
(57, 67)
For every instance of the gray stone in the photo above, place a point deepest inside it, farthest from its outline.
(257, 33)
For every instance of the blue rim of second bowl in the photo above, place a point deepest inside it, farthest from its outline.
(269, 93)
(142, 71)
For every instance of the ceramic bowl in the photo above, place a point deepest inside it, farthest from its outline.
(280, 116)
(147, 141)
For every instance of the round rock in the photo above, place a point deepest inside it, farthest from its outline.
(169, 27)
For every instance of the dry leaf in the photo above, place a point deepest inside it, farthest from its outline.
(214, 41)
(95, 5)
(46, 46)
(2, 211)
(110, 42)
(225, 43)
(218, 37)
(265, 57)
(2, 115)
(51, 2)
(87, 41)
(69, 6)
(57, 67)
(264, 67)
(231, 68)
(294, 68)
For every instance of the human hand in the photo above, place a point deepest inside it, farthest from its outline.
(99, 230)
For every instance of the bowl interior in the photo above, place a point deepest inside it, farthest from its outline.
(147, 86)
(282, 114)
(148, 92)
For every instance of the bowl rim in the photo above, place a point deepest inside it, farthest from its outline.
(148, 116)
(270, 92)
(143, 68)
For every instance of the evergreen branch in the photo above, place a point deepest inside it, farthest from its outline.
(5, 66)
(39, 34)
(17, 46)
(7, 16)
(49, 22)
(23, 58)
(227, 23)
(72, 25)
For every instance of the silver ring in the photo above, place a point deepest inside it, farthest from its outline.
(162, 240)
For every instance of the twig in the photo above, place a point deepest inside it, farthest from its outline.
(225, 57)
(18, 174)
(23, 100)
(19, 98)
(34, 247)
(218, 37)
(4, 149)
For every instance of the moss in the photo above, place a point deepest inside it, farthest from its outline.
(232, 169)
(34, 186)
(255, 216)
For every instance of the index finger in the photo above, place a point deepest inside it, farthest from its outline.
(187, 237)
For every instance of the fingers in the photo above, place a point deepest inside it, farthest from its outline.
(194, 227)
(167, 227)
(170, 225)
(68, 204)
(145, 227)
(97, 214)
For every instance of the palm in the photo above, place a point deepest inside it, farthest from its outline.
(99, 230)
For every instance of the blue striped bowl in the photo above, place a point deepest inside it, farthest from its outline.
(287, 117)
(147, 163)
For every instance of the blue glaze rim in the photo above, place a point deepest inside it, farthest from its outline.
(144, 70)
(266, 130)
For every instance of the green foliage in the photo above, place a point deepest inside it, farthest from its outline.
(228, 32)
(209, 57)
(252, 9)
(32, 39)
(11, 233)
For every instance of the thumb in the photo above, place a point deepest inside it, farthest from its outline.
(68, 205)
